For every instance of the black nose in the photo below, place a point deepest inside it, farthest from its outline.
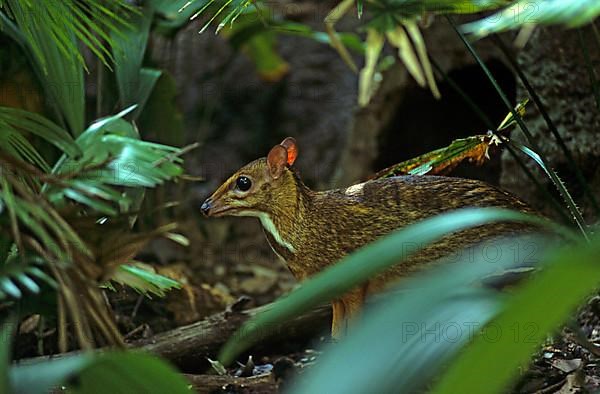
(206, 206)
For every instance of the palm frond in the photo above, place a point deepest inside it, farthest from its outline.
(50, 33)
(34, 221)
(113, 155)
(60, 72)
(16, 278)
(256, 35)
(14, 120)
(144, 280)
(231, 9)
(90, 21)
(13, 142)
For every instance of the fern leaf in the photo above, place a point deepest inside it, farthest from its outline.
(17, 279)
(144, 280)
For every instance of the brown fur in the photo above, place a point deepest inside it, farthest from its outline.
(323, 227)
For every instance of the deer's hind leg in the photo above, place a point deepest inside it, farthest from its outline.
(345, 310)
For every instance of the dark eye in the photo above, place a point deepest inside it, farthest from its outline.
(243, 183)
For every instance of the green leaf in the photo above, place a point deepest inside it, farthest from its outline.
(81, 194)
(14, 142)
(399, 39)
(106, 121)
(523, 13)
(148, 79)
(10, 29)
(543, 303)
(113, 155)
(133, 372)
(144, 281)
(52, 229)
(110, 372)
(398, 29)
(134, 83)
(25, 121)
(368, 261)
(9, 202)
(27, 282)
(341, 9)
(419, 325)
(57, 60)
(40, 377)
(28, 210)
(217, 366)
(26, 215)
(88, 21)
(8, 287)
(178, 239)
(558, 183)
(367, 83)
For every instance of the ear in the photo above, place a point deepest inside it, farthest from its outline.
(277, 160)
(292, 150)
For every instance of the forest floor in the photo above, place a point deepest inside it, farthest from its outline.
(234, 262)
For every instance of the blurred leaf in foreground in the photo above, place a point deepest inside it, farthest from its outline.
(414, 331)
(111, 372)
(543, 303)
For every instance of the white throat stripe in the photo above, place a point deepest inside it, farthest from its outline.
(268, 225)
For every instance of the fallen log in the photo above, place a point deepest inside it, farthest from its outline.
(189, 346)
(205, 384)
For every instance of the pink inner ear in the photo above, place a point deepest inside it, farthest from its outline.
(292, 153)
